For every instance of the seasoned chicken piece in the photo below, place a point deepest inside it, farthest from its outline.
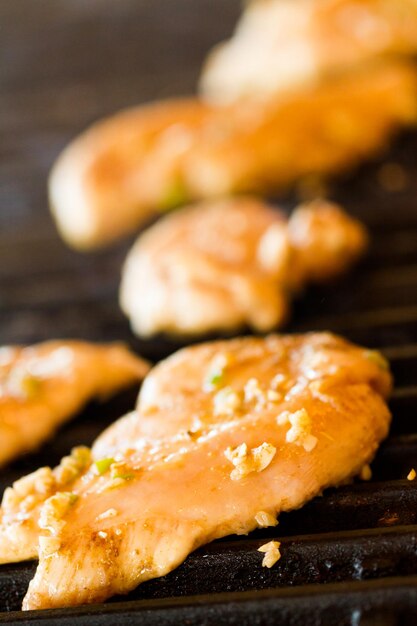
(227, 435)
(42, 386)
(123, 170)
(226, 263)
(264, 146)
(155, 157)
(282, 45)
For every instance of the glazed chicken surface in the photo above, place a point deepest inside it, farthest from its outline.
(141, 162)
(282, 45)
(226, 436)
(221, 264)
(44, 385)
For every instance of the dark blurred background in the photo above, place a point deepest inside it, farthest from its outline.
(63, 64)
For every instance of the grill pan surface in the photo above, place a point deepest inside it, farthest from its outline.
(349, 557)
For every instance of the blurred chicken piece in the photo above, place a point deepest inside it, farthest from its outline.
(42, 386)
(122, 170)
(320, 131)
(282, 45)
(228, 429)
(226, 263)
(140, 162)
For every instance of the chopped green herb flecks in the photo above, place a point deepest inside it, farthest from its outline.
(174, 195)
(216, 373)
(128, 476)
(30, 386)
(103, 465)
(121, 471)
(376, 357)
(215, 379)
(73, 498)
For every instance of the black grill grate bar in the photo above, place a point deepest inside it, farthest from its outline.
(386, 603)
(369, 319)
(404, 392)
(308, 559)
(36, 289)
(399, 352)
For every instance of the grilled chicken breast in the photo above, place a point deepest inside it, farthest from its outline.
(322, 130)
(143, 161)
(226, 436)
(42, 386)
(281, 45)
(225, 263)
(123, 170)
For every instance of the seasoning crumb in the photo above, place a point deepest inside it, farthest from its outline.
(253, 390)
(412, 474)
(73, 465)
(102, 534)
(273, 396)
(283, 418)
(277, 382)
(272, 553)
(265, 520)
(48, 545)
(248, 461)
(365, 473)
(227, 401)
(54, 509)
(121, 470)
(107, 514)
(300, 431)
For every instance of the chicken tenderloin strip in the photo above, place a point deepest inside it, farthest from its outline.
(42, 386)
(227, 435)
(140, 162)
(226, 263)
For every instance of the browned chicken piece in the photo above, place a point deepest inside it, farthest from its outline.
(227, 435)
(318, 131)
(227, 263)
(282, 45)
(140, 162)
(42, 386)
(122, 170)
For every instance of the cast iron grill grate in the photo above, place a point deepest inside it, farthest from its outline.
(349, 557)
